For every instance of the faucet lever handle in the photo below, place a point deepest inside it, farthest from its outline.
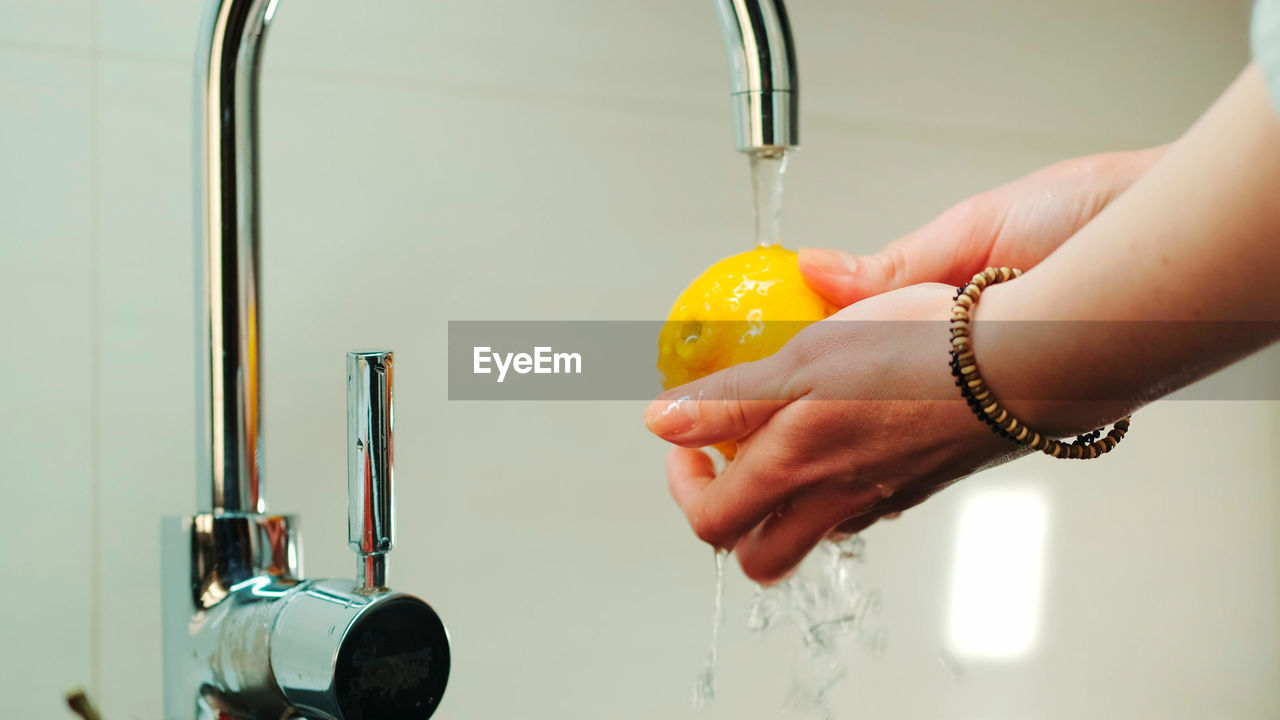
(370, 465)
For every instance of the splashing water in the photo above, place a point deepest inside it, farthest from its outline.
(704, 687)
(825, 602)
(767, 168)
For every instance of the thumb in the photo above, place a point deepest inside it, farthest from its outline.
(945, 250)
(726, 405)
(845, 279)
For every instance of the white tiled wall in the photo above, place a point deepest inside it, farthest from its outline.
(571, 160)
(47, 401)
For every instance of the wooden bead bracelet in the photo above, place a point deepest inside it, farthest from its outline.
(964, 367)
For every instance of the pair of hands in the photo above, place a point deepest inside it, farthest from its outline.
(852, 422)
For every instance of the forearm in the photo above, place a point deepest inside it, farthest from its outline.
(1195, 242)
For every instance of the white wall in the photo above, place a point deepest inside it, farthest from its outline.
(571, 160)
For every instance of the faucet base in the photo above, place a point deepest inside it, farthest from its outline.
(219, 576)
(245, 638)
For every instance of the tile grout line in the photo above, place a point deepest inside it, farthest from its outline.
(95, 382)
(44, 49)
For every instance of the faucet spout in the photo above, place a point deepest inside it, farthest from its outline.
(762, 66)
(228, 302)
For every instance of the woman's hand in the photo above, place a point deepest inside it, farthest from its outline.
(1016, 225)
(856, 418)
(849, 422)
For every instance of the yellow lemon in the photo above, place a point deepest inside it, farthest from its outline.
(743, 308)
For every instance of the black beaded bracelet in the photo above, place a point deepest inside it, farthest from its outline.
(973, 388)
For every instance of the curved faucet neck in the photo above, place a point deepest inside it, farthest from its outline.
(762, 71)
(228, 348)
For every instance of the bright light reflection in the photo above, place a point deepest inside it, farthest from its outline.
(998, 574)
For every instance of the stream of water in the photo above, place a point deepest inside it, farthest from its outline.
(767, 168)
(704, 687)
(824, 601)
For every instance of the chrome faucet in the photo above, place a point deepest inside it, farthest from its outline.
(762, 72)
(245, 636)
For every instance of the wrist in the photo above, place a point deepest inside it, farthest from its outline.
(1049, 374)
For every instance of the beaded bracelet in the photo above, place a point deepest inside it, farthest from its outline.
(965, 369)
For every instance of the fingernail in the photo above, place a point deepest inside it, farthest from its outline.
(666, 416)
(829, 261)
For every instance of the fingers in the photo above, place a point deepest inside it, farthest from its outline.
(689, 472)
(773, 549)
(726, 405)
(888, 509)
(721, 509)
(855, 525)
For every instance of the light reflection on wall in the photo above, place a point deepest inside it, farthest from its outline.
(997, 573)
